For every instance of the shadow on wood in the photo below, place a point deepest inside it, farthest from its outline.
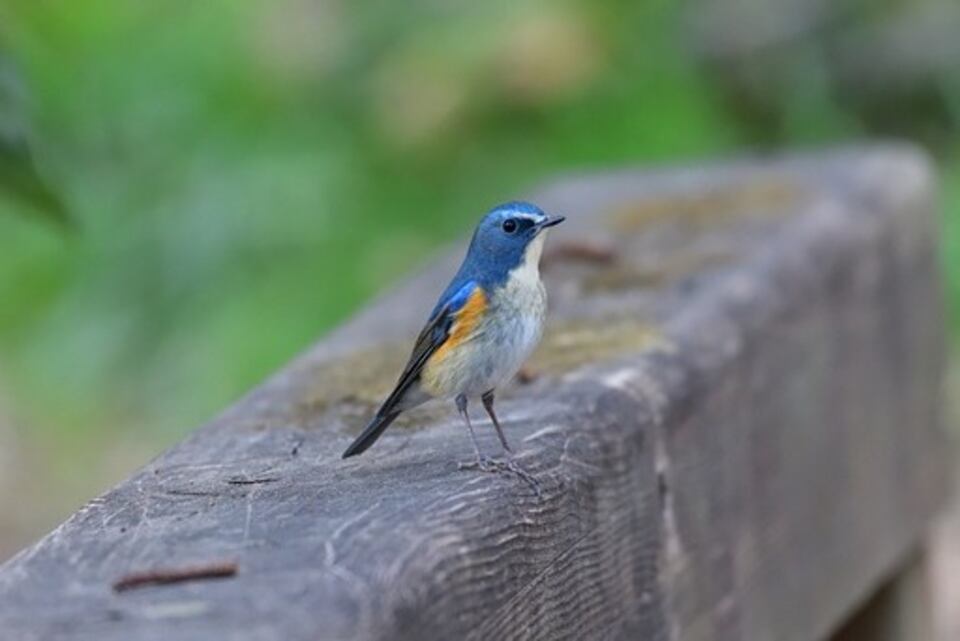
(899, 611)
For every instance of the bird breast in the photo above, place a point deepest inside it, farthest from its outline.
(498, 345)
(511, 330)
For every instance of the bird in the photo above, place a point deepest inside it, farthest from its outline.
(485, 324)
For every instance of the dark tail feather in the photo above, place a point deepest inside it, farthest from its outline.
(379, 423)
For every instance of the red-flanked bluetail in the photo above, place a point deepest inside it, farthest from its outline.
(485, 325)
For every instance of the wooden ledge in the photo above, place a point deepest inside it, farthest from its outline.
(734, 418)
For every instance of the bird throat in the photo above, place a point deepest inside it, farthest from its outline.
(528, 271)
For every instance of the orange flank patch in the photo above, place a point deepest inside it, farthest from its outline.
(464, 323)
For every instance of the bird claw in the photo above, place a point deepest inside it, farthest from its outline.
(496, 466)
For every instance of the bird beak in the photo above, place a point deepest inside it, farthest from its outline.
(550, 221)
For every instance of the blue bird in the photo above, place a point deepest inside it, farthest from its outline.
(484, 326)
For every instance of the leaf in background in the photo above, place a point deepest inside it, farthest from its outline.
(19, 179)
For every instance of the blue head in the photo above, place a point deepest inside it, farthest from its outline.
(509, 236)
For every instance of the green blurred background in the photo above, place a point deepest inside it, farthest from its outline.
(192, 192)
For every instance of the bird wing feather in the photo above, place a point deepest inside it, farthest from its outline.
(433, 336)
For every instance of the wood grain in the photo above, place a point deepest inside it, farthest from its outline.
(734, 421)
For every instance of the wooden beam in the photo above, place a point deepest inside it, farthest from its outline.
(734, 419)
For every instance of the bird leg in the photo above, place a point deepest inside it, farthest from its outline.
(510, 465)
(462, 408)
(487, 399)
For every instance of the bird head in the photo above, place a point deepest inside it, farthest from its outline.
(509, 236)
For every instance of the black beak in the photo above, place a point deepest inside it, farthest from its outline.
(551, 221)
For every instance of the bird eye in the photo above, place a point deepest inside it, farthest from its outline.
(509, 225)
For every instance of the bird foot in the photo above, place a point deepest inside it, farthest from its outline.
(506, 466)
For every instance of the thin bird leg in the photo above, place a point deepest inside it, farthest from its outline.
(462, 408)
(511, 464)
(485, 464)
(487, 399)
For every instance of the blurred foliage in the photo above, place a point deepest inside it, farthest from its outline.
(951, 246)
(245, 173)
(19, 179)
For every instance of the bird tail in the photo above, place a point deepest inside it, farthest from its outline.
(379, 423)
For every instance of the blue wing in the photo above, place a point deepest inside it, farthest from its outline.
(431, 338)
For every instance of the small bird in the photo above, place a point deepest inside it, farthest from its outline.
(485, 325)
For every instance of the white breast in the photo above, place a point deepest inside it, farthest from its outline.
(521, 306)
(507, 336)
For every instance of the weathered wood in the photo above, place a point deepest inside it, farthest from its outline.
(734, 421)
